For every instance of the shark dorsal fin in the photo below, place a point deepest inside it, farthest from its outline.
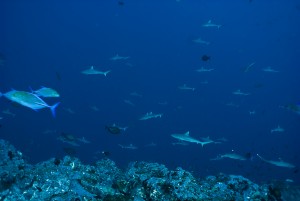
(92, 67)
(187, 133)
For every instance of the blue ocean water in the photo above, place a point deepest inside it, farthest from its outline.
(49, 43)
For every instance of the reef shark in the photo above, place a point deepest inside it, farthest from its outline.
(231, 156)
(187, 138)
(210, 24)
(270, 70)
(92, 71)
(238, 92)
(185, 87)
(8, 112)
(151, 115)
(201, 41)
(279, 163)
(278, 129)
(202, 69)
(117, 57)
(131, 146)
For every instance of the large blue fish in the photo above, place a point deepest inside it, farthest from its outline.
(46, 92)
(29, 100)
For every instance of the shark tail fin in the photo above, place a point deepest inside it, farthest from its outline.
(53, 107)
(106, 72)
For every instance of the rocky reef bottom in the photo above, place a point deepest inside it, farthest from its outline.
(69, 179)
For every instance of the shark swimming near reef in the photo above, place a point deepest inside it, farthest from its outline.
(202, 69)
(279, 163)
(239, 92)
(92, 71)
(8, 112)
(233, 156)
(185, 87)
(201, 41)
(187, 138)
(277, 129)
(210, 24)
(117, 57)
(270, 70)
(150, 115)
(131, 147)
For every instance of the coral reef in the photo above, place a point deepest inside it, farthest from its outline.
(69, 179)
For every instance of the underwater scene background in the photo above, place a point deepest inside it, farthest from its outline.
(254, 48)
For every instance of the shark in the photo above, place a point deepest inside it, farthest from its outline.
(117, 57)
(231, 104)
(124, 128)
(152, 144)
(182, 143)
(222, 139)
(8, 112)
(279, 163)
(185, 87)
(249, 67)
(238, 92)
(92, 71)
(151, 115)
(69, 110)
(231, 156)
(292, 107)
(83, 140)
(131, 146)
(270, 70)
(210, 24)
(201, 41)
(68, 138)
(252, 112)
(134, 93)
(129, 102)
(278, 129)
(185, 137)
(207, 140)
(202, 69)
